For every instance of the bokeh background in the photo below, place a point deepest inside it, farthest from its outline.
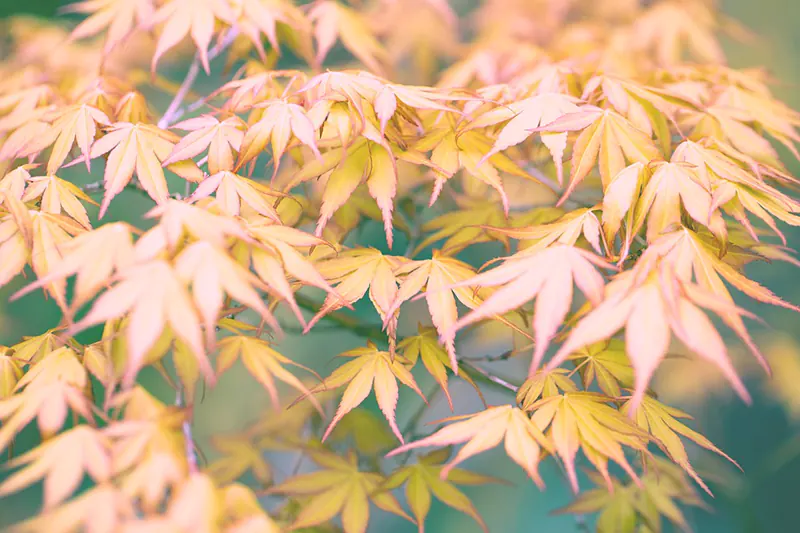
(763, 438)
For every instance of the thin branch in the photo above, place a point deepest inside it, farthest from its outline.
(191, 454)
(483, 375)
(175, 111)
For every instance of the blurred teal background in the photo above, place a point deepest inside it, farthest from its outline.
(760, 437)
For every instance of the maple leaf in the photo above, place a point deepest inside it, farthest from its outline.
(371, 160)
(13, 249)
(605, 135)
(10, 372)
(485, 430)
(239, 456)
(177, 220)
(263, 362)
(340, 488)
(566, 229)
(670, 29)
(425, 346)
(46, 392)
(75, 124)
(188, 17)
(334, 21)
(456, 150)
(133, 148)
(14, 182)
(661, 421)
(632, 507)
(606, 363)
(423, 479)
(651, 302)
(88, 453)
(353, 273)
(153, 295)
(101, 508)
(279, 121)
(546, 275)
(366, 430)
(370, 369)
(110, 246)
(650, 109)
(118, 18)
(584, 420)
(692, 260)
(212, 273)
(148, 448)
(440, 277)
(220, 138)
(544, 384)
(523, 117)
(49, 235)
(57, 196)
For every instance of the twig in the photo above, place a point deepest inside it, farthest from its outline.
(174, 111)
(191, 455)
(488, 377)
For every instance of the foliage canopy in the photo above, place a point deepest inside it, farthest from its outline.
(602, 145)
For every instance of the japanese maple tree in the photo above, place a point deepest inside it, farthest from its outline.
(599, 156)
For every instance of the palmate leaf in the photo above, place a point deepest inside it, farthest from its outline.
(693, 260)
(661, 421)
(47, 391)
(138, 148)
(118, 18)
(263, 363)
(181, 18)
(279, 122)
(548, 276)
(75, 125)
(211, 274)
(110, 248)
(485, 430)
(239, 455)
(339, 488)
(524, 117)
(607, 139)
(366, 431)
(652, 302)
(639, 507)
(544, 384)
(585, 421)
(437, 277)
(334, 21)
(607, 364)
(153, 295)
(58, 196)
(357, 272)
(423, 480)
(88, 452)
(425, 346)
(220, 138)
(370, 369)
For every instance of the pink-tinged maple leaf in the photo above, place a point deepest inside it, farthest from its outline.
(188, 17)
(652, 303)
(220, 138)
(153, 296)
(548, 276)
(485, 430)
(118, 17)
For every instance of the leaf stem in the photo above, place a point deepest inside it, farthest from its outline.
(175, 111)
(191, 454)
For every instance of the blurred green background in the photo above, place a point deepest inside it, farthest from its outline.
(762, 438)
